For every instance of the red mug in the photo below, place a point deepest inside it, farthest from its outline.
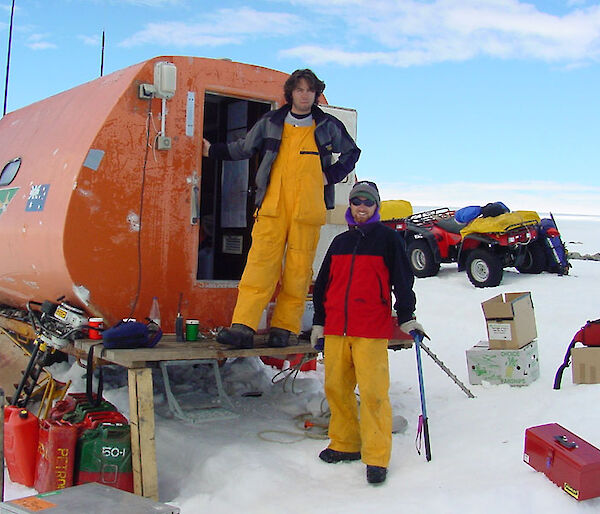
(95, 322)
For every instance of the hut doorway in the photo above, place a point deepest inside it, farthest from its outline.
(227, 189)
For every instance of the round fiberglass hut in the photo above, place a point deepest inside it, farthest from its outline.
(105, 198)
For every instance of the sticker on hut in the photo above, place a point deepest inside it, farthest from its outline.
(37, 197)
(6, 195)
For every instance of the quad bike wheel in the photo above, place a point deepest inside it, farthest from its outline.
(534, 260)
(421, 259)
(484, 268)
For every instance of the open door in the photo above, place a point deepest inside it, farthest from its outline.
(336, 221)
(227, 190)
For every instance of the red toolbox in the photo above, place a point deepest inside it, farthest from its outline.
(570, 462)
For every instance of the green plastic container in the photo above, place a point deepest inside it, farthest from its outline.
(77, 415)
(104, 456)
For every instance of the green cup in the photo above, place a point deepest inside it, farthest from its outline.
(191, 329)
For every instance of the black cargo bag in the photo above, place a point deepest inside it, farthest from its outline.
(123, 335)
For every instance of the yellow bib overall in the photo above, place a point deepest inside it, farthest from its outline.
(357, 360)
(286, 227)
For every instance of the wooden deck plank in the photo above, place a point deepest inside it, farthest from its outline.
(136, 459)
(21, 328)
(143, 446)
(168, 349)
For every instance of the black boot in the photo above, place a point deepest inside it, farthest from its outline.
(278, 337)
(333, 456)
(376, 474)
(238, 335)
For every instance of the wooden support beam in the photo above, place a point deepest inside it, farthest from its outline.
(141, 420)
(21, 328)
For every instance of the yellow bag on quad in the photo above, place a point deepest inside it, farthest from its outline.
(395, 209)
(502, 223)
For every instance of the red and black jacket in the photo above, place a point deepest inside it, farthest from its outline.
(352, 293)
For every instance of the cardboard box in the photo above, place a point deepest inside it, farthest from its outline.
(510, 320)
(514, 367)
(586, 365)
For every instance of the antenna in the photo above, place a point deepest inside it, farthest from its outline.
(12, 14)
(102, 56)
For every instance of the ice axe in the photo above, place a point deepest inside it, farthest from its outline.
(423, 424)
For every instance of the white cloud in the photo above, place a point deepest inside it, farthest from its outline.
(152, 3)
(396, 32)
(225, 26)
(532, 195)
(144, 3)
(41, 45)
(38, 42)
(89, 40)
(409, 32)
(8, 7)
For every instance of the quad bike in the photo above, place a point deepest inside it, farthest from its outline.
(483, 247)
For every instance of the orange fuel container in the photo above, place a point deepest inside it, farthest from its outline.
(20, 444)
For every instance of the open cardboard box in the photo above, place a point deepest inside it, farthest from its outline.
(510, 320)
(585, 365)
(515, 367)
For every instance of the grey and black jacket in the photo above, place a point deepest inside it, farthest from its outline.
(265, 137)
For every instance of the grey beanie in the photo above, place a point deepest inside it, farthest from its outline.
(366, 189)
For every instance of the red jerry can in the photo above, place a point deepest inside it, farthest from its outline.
(62, 407)
(93, 419)
(20, 444)
(56, 456)
(570, 462)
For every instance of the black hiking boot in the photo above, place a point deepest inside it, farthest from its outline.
(376, 474)
(333, 456)
(278, 337)
(238, 335)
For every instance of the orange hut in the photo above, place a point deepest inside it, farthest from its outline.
(105, 198)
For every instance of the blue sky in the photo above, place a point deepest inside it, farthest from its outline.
(459, 101)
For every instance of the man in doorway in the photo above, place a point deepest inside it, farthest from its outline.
(294, 186)
(353, 311)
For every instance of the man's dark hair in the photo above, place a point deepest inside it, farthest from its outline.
(312, 80)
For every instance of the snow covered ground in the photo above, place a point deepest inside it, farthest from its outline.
(262, 462)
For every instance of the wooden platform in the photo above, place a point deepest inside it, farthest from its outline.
(141, 399)
(168, 349)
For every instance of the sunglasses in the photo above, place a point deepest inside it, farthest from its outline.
(357, 201)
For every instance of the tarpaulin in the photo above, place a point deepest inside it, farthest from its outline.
(395, 209)
(502, 223)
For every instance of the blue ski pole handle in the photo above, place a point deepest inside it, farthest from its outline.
(418, 337)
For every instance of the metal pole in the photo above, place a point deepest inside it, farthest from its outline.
(12, 14)
(102, 57)
(418, 338)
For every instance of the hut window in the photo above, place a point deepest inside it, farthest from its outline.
(10, 171)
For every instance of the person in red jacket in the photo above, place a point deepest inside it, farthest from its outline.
(352, 300)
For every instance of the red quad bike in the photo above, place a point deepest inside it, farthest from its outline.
(433, 237)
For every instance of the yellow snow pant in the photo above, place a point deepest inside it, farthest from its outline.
(350, 361)
(287, 225)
